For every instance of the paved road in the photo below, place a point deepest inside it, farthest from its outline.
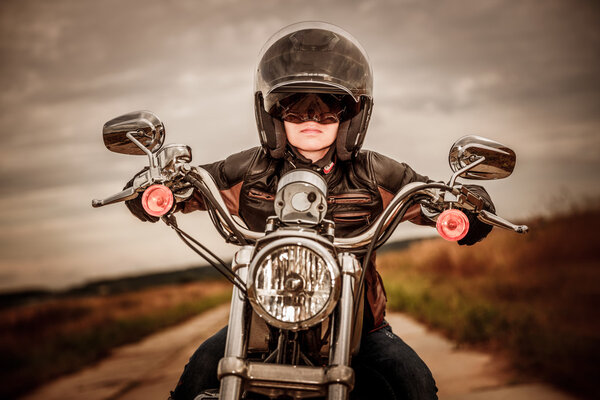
(149, 369)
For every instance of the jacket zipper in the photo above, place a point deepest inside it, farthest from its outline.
(349, 198)
(352, 216)
(257, 194)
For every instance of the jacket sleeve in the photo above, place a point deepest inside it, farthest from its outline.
(391, 176)
(229, 176)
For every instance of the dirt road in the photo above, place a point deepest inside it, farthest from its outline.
(149, 369)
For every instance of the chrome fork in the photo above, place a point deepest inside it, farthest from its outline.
(340, 357)
(235, 349)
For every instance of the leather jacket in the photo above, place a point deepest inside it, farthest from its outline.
(358, 192)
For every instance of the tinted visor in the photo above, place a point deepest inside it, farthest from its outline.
(320, 107)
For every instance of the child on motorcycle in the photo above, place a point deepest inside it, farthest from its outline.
(313, 102)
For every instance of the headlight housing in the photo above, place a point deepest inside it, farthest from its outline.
(294, 283)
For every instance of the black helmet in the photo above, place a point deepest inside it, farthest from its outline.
(313, 57)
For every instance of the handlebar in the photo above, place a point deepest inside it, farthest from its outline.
(206, 185)
(352, 243)
(211, 186)
(429, 190)
(399, 200)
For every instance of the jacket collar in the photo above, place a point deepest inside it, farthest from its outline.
(324, 165)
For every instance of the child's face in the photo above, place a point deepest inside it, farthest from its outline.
(311, 136)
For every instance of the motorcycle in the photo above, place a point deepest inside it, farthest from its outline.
(296, 311)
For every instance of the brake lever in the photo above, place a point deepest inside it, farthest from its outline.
(492, 219)
(145, 179)
(464, 198)
(127, 194)
(140, 181)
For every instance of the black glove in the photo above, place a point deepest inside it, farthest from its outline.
(477, 230)
(135, 205)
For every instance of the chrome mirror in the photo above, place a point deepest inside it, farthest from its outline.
(481, 158)
(121, 133)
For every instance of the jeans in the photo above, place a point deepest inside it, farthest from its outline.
(385, 368)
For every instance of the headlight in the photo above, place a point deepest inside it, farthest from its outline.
(294, 283)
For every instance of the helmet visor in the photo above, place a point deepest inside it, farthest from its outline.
(299, 108)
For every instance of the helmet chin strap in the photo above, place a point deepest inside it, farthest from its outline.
(280, 137)
(325, 164)
(340, 141)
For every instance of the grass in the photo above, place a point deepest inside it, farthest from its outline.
(43, 341)
(534, 297)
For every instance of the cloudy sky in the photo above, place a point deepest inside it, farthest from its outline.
(523, 73)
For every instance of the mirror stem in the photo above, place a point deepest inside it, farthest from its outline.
(141, 146)
(154, 173)
(465, 169)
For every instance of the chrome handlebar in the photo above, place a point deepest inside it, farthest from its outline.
(352, 243)
(429, 190)
(342, 243)
(402, 197)
(210, 184)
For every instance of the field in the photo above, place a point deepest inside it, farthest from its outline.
(41, 341)
(534, 298)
